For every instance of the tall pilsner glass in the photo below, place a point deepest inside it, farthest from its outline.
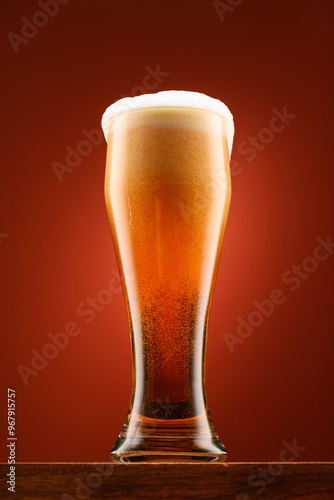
(167, 191)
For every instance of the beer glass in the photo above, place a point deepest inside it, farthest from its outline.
(167, 191)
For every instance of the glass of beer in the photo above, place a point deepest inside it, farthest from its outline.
(167, 191)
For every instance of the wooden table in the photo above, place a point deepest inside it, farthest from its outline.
(239, 481)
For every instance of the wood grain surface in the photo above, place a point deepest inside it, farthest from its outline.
(239, 481)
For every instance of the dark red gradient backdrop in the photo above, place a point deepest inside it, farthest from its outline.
(56, 247)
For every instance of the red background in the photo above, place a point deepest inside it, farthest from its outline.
(277, 384)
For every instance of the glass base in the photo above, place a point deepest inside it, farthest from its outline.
(194, 455)
(179, 440)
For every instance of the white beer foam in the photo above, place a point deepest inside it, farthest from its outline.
(174, 99)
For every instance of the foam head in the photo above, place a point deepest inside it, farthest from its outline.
(174, 99)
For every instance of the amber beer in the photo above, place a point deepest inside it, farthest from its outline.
(167, 191)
